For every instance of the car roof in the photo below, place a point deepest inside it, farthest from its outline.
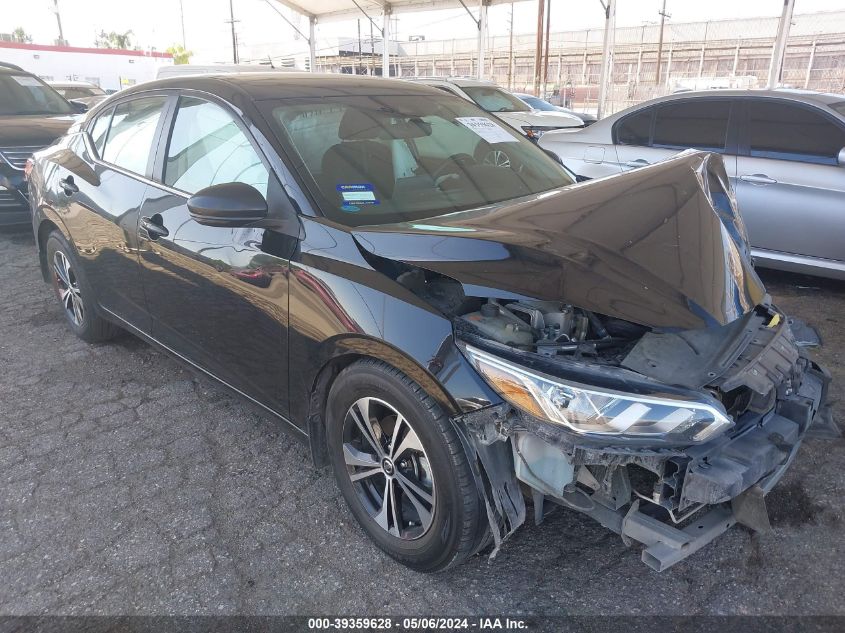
(287, 85)
(11, 69)
(458, 81)
(802, 96)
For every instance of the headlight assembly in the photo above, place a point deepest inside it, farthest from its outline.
(597, 412)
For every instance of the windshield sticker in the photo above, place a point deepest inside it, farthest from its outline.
(23, 80)
(349, 208)
(362, 193)
(487, 129)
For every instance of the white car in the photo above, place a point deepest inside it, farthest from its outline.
(504, 105)
(784, 152)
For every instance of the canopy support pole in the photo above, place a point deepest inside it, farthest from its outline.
(482, 36)
(607, 54)
(385, 43)
(312, 44)
(776, 65)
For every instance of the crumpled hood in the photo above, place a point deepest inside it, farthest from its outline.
(647, 245)
(33, 131)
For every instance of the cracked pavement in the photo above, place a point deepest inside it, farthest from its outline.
(130, 485)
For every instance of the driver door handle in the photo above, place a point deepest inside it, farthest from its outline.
(758, 179)
(640, 162)
(154, 227)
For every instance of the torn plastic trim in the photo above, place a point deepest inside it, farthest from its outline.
(492, 465)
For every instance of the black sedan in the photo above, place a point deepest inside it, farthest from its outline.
(32, 116)
(445, 329)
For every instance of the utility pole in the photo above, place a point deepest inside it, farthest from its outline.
(538, 46)
(510, 51)
(182, 17)
(61, 41)
(660, 44)
(234, 37)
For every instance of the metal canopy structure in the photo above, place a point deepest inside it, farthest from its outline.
(328, 10)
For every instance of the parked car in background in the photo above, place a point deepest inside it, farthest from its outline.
(544, 106)
(503, 105)
(784, 151)
(79, 92)
(32, 116)
(440, 330)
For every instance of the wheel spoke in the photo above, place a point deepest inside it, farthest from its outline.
(363, 474)
(411, 441)
(423, 512)
(60, 268)
(407, 484)
(360, 412)
(394, 510)
(77, 308)
(66, 297)
(353, 457)
(383, 518)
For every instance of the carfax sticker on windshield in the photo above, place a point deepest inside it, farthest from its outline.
(357, 193)
(488, 130)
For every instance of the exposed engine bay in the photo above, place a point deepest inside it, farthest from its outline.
(547, 327)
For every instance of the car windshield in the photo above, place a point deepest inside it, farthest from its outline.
(495, 99)
(538, 104)
(386, 159)
(25, 94)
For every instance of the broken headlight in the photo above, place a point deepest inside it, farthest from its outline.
(592, 411)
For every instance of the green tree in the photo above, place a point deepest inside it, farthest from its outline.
(180, 55)
(19, 35)
(114, 40)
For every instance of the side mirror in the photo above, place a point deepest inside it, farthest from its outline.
(840, 158)
(78, 106)
(228, 204)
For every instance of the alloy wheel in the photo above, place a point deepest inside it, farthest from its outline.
(67, 287)
(389, 468)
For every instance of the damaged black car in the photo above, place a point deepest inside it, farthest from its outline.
(454, 324)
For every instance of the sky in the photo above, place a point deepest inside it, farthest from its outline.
(156, 24)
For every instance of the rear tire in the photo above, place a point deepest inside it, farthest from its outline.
(74, 294)
(423, 509)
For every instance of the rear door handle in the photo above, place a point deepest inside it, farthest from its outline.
(758, 179)
(154, 227)
(640, 162)
(68, 186)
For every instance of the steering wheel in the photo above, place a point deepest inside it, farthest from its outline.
(454, 161)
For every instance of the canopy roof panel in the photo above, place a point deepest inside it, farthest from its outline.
(339, 9)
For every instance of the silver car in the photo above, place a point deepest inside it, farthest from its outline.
(784, 151)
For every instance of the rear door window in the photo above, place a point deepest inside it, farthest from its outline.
(132, 133)
(699, 124)
(635, 129)
(790, 132)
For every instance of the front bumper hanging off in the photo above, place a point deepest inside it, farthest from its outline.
(720, 483)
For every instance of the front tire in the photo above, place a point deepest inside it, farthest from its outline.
(75, 296)
(402, 468)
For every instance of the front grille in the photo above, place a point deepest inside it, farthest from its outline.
(10, 199)
(16, 156)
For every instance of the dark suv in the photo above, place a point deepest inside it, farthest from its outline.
(32, 116)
